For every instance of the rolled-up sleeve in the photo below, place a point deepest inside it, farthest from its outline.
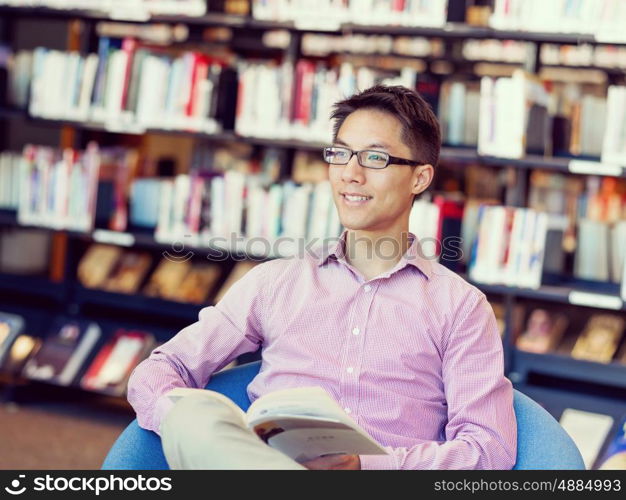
(232, 327)
(481, 432)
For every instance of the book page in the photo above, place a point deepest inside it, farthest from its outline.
(309, 443)
(306, 423)
(301, 402)
(588, 430)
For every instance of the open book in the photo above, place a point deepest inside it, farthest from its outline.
(304, 423)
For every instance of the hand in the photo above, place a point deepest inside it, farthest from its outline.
(334, 462)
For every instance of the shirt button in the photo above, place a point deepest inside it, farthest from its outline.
(350, 369)
(367, 288)
(347, 410)
(356, 330)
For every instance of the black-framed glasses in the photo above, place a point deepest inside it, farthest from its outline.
(368, 158)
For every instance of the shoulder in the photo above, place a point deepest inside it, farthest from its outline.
(278, 269)
(449, 284)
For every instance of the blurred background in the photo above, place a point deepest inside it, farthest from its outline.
(153, 151)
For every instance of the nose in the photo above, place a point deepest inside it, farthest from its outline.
(353, 172)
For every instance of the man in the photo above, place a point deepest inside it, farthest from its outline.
(409, 349)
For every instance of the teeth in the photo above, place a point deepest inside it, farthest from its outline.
(356, 198)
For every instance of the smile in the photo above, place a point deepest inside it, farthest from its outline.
(355, 199)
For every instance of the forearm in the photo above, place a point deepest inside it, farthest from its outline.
(459, 454)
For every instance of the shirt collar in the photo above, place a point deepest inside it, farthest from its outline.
(335, 249)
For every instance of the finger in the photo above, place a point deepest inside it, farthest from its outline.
(323, 463)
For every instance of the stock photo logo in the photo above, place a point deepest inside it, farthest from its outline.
(178, 253)
(14, 488)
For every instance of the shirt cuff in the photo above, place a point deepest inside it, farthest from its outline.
(379, 462)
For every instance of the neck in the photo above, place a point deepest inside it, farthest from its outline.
(374, 252)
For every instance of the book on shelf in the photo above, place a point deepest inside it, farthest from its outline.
(614, 146)
(509, 51)
(587, 219)
(58, 189)
(514, 117)
(9, 180)
(198, 284)
(322, 45)
(130, 86)
(122, 9)
(290, 101)
(601, 56)
(588, 430)
(96, 265)
(543, 332)
(109, 371)
(128, 273)
(593, 237)
(618, 251)
(509, 247)
(19, 77)
(459, 105)
(614, 458)
(603, 18)
(511, 117)
(167, 277)
(194, 209)
(118, 167)
(144, 202)
(579, 118)
(329, 14)
(11, 326)
(63, 352)
(304, 423)
(469, 225)
(578, 217)
(600, 338)
(438, 226)
(18, 354)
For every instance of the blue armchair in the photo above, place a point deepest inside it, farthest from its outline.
(541, 441)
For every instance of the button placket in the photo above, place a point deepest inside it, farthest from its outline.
(353, 354)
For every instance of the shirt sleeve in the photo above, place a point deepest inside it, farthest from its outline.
(223, 332)
(481, 432)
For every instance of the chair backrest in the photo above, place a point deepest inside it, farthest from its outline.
(137, 448)
(541, 441)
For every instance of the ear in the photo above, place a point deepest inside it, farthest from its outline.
(421, 179)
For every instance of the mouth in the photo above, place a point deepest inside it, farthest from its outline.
(353, 199)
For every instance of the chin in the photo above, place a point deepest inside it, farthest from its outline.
(354, 225)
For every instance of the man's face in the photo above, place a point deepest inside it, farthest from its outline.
(388, 191)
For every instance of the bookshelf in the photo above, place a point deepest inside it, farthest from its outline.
(449, 155)
(562, 366)
(451, 30)
(593, 293)
(522, 366)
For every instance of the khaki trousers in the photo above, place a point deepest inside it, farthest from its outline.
(203, 433)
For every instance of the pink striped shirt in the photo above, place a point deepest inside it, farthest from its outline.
(413, 355)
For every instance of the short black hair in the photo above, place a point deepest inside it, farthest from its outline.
(420, 127)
